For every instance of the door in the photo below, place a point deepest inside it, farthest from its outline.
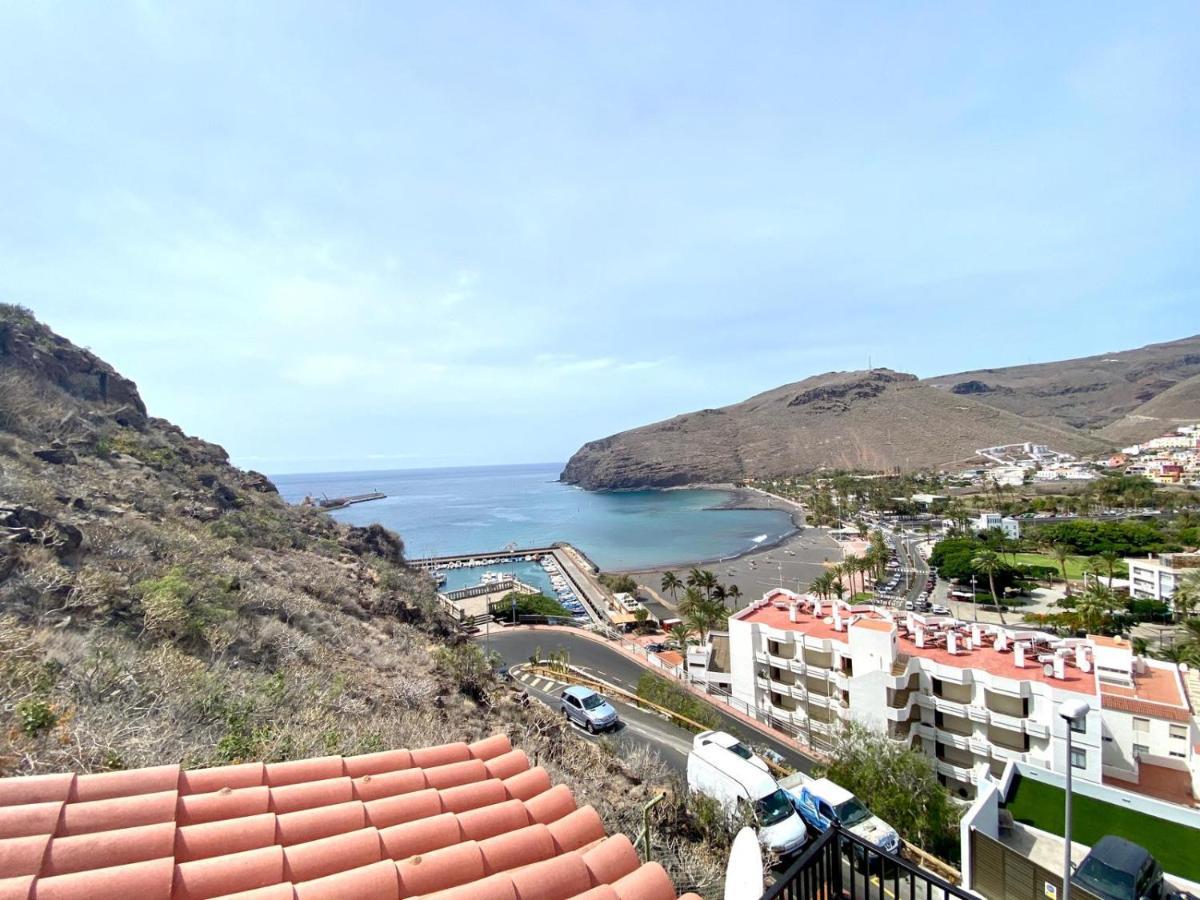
(574, 708)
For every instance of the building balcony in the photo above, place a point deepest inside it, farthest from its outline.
(1004, 754)
(954, 708)
(958, 773)
(760, 656)
(783, 663)
(979, 747)
(925, 730)
(978, 714)
(1012, 723)
(1037, 729)
(761, 681)
(950, 739)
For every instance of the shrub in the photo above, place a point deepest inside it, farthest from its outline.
(619, 584)
(663, 693)
(35, 716)
(530, 605)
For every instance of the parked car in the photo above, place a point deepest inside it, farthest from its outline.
(940, 610)
(738, 785)
(821, 802)
(585, 707)
(1117, 869)
(657, 648)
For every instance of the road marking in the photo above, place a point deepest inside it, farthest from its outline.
(887, 890)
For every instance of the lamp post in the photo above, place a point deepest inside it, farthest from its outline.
(1071, 711)
(974, 599)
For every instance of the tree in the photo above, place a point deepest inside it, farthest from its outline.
(734, 594)
(719, 594)
(692, 598)
(1062, 553)
(702, 579)
(897, 784)
(822, 585)
(1110, 560)
(1094, 608)
(671, 584)
(989, 563)
(1187, 594)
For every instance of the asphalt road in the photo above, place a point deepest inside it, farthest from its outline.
(641, 728)
(609, 665)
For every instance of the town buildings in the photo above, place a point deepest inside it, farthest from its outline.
(971, 696)
(986, 521)
(1155, 577)
(1171, 459)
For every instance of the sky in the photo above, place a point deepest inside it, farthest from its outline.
(385, 235)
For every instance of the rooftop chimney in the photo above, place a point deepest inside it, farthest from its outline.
(920, 636)
(952, 642)
(837, 619)
(1019, 655)
(1060, 667)
(817, 609)
(792, 613)
(1002, 642)
(975, 633)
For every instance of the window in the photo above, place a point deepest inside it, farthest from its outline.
(1078, 758)
(1179, 753)
(1079, 726)
(1141, 726)
(1179, 732)
(1139, 749)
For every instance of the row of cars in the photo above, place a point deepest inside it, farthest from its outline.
(784, 812)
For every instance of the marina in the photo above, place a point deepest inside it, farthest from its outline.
(465, 577)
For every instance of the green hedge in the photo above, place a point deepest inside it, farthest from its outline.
(675, 698)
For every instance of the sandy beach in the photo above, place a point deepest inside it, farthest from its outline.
(791, 562)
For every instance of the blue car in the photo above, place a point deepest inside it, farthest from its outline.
(820, 802)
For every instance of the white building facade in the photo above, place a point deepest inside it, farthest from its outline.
(972, 697)
(1007, 524)
(1155, 577)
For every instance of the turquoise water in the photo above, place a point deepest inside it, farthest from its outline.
(441, 512)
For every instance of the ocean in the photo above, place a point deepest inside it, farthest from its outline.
(441, 512)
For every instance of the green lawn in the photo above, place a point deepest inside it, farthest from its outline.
(1075, 564)
(1041, 805)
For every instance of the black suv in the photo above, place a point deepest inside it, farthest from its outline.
(1117, 869)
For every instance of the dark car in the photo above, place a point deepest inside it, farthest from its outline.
(658, 648)
(1117, 869)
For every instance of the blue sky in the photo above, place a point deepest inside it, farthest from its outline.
(375, 235)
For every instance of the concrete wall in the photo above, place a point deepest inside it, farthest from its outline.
(983, 816)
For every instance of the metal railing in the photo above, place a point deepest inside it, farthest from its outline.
(839, 864)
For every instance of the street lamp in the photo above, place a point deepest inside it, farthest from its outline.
(974, 599)
(1071, 711)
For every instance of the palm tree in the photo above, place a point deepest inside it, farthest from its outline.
(684, 631)
(671, 584)
(734, 594)
(989, 563)
(837, 585)
(1187, 594)
(1093, 608)
(1110, 558)
(822, 585)
(692, 598)
(702, 579)
(1062, 553)
(719, 594)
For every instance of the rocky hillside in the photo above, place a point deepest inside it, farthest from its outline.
(883, 419)
(1095, 392)
(847, 420)
(160, 605)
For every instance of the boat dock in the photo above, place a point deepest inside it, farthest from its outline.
(559, 559)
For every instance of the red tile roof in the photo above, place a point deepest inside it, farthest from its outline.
(452, 822)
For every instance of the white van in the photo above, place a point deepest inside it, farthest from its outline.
(732, 744)
(725, 776)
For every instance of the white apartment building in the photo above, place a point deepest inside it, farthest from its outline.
(1007, 524)
(1154, 578)
(971, 696)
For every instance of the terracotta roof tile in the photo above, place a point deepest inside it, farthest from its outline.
(1144, 708)
(452, 822)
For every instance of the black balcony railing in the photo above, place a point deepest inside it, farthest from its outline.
(840, 865)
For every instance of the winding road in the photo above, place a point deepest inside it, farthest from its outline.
(608, 665)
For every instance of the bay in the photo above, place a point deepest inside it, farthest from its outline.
(442, 512)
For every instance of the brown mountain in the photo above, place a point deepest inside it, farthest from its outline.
(1092, 392)
(883, 419)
